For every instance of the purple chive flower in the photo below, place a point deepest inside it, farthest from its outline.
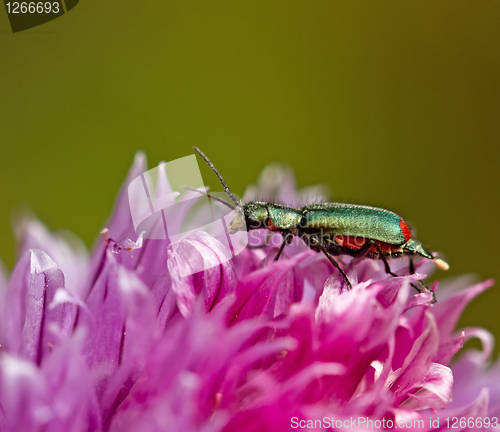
(122, 340)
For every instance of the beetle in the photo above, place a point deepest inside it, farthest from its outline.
(334, 229)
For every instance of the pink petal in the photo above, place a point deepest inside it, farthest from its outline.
(105, 327)
(418, 362)
(194, 252)
(138, 338)
(67, 251)
(435, 392)
(247, 262)
(58, 396)
(72, 397)
(120, 224)
(14, 305)
(25, 403)
(164, 300)
(179, 384)
(449, 347)
(275, 417)
(269, 291)
(32, 327)
(448, 311)
(473, 373)
(486, 338)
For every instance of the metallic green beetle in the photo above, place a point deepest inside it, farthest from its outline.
(333, 228)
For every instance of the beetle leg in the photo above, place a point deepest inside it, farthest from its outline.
(361, 253)
(384, 259)
(286, 241)
(424, 288)
(331, 259)
(265, 244)
(412, 266)
(421, 289)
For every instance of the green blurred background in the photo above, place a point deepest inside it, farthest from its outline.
(390, 103)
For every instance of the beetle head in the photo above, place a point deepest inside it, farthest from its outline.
(416, 247)
(254, 216)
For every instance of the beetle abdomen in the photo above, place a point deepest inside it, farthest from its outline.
(355, 221)
(356, 243)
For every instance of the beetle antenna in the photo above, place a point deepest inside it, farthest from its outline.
(232, 207)
(222, 182)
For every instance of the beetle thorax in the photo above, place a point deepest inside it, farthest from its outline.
(270, 216)
(284, 217)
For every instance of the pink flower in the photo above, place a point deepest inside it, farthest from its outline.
(124, 341)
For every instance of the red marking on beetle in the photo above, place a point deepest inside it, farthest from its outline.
(405, 230)
(271, 225)
(357, 243)
(386, 248)
(350, 241)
